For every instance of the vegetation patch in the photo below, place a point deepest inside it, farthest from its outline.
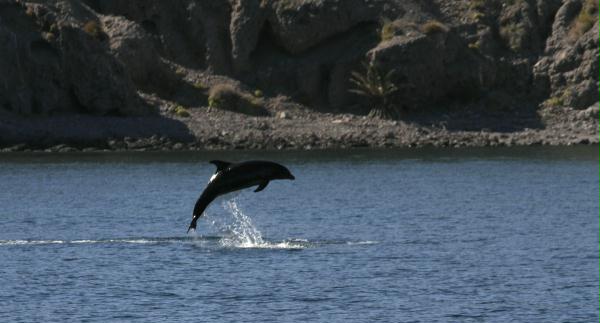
(478, 8)
(512, 34)
(387, 30)
(226, 97)
(377, 88)
(585, 20)
(180, 71)
(554, 101)
(433, 27)
(94, 29)
(477, 16)
(559, 100)
(477, 5)
(475, 45)
(200, 86)
(30, 12)
(182, 112)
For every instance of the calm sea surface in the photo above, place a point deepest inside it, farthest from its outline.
(477, 235)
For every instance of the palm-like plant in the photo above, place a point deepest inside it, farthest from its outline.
(377, 88)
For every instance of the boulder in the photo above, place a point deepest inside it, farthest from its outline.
(428, 68)
(52, 62)
(132, 45)
(31, 71)
(98, 81)
(247, 19)
(300, 25)
(567, 71)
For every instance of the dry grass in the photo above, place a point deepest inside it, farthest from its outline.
(560, 99)
(93, 29)
(200, 86)
(180, 71)
(512, 34)
(182, 112)
(475, 45)
(554, 102)
(477, 16)
(29, 11)
(433, 27)
(387, 30)
(477, 4)
(227, 97)
(585, 20)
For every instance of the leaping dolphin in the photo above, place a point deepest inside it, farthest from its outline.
(231, 177)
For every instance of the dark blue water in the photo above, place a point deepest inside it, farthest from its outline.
(505, 235)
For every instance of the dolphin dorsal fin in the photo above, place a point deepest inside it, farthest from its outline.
(221, 165)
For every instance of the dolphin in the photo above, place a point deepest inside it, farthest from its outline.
(230, 177)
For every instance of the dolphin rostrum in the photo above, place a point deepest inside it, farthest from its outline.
(231, 177)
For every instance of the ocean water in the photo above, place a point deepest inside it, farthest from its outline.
(467, 235)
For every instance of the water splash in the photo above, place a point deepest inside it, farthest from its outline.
(85, 241)
(248, 238)
(241, 231)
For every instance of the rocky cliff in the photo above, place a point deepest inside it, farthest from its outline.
(150, 57)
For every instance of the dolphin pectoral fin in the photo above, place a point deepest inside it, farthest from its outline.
(261, 186)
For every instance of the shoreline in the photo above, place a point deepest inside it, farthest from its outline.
(461, 139)
(291, 129)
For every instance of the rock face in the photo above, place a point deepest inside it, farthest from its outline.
(429, 67)
(102, 56)
(49, 64)
(568, 69)
(133, 47)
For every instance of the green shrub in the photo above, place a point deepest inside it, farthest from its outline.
(433, 27)
(226, 97)
(377, 88)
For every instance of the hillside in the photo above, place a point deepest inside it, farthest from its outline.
(148, 74)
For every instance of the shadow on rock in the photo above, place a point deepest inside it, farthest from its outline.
(85, 130)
